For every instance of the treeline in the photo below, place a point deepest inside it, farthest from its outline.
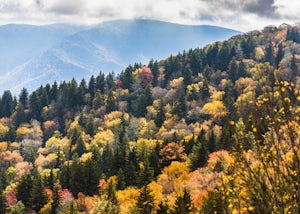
(161, 136)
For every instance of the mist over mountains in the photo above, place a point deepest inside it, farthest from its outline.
(35, 55)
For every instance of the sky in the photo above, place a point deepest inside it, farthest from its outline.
(243, 15)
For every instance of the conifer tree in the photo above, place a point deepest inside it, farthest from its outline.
(24, 189)
(38, 197)
(163, 208)
(183, 203)
(2, 200)
(145, 202)
(55, 197)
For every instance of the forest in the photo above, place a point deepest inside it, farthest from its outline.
(209, 130)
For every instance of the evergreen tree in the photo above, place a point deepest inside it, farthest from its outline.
(199, 154)
(145, 202)
(223, 57)
(204, 90)
(23, 98)
(100, 82)
(280, 55)
(92, 86)
(111, 104)
(183, 203)
(72, 208)
(187, 75)
(20, 116)
(212, 142)
(24, 190)
(2, 200)
(7, 104)
(80, 146)
(38, 196)
(180, 106)
(56, 197)
(53, 94)
(35, 106)
(163, 208)
(160, 116)
(127, 78)
(113, 205)
(269, 55)
(146, 173)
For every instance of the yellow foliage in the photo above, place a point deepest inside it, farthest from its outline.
(3, 146)
(127, 198)
(156, 192)
(22, 131)
(3, 130)
(53, 144)
(217, 96)
(176, 83)
(86, 156)
(147, 129)
(103, 137)
(173, 176)
(216, 109)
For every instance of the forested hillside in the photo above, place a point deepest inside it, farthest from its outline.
(211, 130)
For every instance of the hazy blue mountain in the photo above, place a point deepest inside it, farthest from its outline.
(110, 46)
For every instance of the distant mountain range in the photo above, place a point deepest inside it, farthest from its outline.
(35, 55)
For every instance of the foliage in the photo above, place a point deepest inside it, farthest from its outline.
(212, 129)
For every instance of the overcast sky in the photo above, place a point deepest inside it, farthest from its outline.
(242, 15)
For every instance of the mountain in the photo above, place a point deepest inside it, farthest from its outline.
(209, 130)
(57, 53)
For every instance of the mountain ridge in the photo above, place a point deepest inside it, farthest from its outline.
(110, 46)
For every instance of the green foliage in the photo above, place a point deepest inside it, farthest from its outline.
(145, 202)
(183, 204)
(18, 208)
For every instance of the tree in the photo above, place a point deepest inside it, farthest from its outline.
(18, 208)
(199, 155)
(163, 208)
(23, 98)
(72, 208)
(280, 55)
(187, 75)
(80, 146)
(183, 203)
(2, 201)
(145, 202)
(7, 104)
(180, 106)
(56, 197)
(38, 197)
(24, 190)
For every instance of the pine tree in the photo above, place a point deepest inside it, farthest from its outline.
(280, 55)
(145, 202)
(146, 173)
(199, 155)
(160, 116)
(24, 189)
(38, 197)
(23, 98)
(183, 203)
(80, 146)
(72, 208)
(7, 104)
(2, 200)
(163, 208)
(55, 197)
(187, 75)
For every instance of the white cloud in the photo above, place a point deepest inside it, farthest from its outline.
(242, 15)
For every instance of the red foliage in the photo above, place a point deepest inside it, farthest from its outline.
(118, 83)
(11, 198)
(146, 75)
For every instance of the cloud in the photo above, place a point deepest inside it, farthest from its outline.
(242, 15)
